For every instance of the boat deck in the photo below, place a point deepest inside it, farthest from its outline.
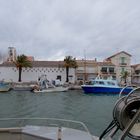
(43, 133)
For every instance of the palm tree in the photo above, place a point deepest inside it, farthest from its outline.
(124, 76)
(21, 62)
(70, 62)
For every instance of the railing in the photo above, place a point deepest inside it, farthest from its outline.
(124, 64)
(136, 74)
(21, 122)
(104, 72)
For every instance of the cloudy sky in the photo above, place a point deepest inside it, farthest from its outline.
(53, 29)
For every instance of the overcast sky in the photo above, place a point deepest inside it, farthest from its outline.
(53, 29)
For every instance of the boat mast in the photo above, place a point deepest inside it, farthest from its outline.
(85, 71)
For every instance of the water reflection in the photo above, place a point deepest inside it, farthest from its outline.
(95, 111)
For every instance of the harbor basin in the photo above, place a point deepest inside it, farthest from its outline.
(94, 110)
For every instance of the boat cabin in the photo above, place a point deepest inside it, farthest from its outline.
(103, 82)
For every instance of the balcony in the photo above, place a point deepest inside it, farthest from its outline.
(136, 75)
(123, 64)
(108, 72)
(80, 71)
(112, 73)
(104, 72)
(87, 71)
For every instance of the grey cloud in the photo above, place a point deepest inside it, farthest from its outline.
(51, 29)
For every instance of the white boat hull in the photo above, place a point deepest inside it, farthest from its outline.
(55, 89)
(4, 89)
(22, 88)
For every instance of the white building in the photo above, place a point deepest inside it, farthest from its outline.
(122, 62)
(86, 70)
(112, 66)
(136, 74)
(52, 70)
(89, 69)
(11, 54)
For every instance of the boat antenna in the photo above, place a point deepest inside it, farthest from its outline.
(85, 70)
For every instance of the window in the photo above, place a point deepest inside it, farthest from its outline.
(111, 83)
(122, 59)
(59, 77)
(111, 70)
(122, 69)
(101, 83)
(80, 77)
(70, 77)
(104, 69)
(137, 71)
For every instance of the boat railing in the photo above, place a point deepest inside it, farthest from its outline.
(51, 122)
(132, 93)
(128, 86)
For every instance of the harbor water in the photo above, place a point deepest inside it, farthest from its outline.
(94, 110)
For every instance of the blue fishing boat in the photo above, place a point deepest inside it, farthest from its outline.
(100, 85)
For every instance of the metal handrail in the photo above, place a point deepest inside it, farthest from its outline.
(125, 88)
(55, 119)
(125, 101)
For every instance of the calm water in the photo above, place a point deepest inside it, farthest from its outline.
(94, 110)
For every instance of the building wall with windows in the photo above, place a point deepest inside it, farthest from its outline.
(106, 69)
(136, 74)
(122, 62)
(86, 70)
(90, 69)
(112, 66)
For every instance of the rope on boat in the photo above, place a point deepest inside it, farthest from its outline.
(108, 129)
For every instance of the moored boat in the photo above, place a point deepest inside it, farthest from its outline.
(4, 87)
(51, 89)
(100, 85)
(44, 85)
(23, 86)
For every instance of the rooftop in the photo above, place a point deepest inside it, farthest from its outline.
(118, 54)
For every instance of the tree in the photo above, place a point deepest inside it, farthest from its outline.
(124, 76)
(70, 62)
(21, 62)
